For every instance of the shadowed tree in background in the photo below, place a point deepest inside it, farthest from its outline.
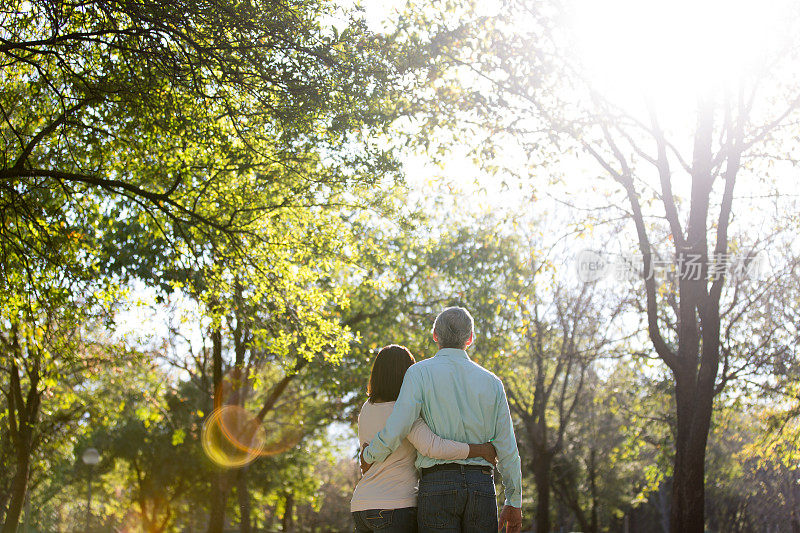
(546, 378)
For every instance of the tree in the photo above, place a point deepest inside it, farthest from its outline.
(140, 140)
(526, 85)
(160, 453)
(615, 457)
(268, 338)
(156, 107)
(562, 342)
(772, 472)
(65, 373)
(45, 352)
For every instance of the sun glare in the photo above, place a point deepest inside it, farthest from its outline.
(674, 51)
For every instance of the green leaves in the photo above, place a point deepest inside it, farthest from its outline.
(178, 436)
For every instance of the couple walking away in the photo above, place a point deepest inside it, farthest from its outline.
(440, 425)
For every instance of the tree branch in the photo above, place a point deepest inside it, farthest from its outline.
(26, 151)
(665, 175)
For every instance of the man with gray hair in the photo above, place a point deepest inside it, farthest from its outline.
(462, 401)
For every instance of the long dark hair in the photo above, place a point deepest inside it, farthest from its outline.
(388, 371)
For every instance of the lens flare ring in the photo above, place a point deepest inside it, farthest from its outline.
(232, 437)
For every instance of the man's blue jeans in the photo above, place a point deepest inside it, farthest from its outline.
(386, 520)
(458, 500)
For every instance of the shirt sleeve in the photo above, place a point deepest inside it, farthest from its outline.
(508, 461)
(432, 445)
(406, 411)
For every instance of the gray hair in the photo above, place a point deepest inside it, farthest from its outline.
(453, 327)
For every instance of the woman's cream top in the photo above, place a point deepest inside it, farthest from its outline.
(392, 484)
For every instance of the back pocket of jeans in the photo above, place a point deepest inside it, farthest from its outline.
(483, 510)
(378, 519)
(438, 509)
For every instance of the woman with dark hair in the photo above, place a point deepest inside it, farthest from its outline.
(385, 498)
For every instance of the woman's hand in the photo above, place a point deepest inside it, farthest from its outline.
(485, 451)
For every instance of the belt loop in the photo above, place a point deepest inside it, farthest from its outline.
(462, 469)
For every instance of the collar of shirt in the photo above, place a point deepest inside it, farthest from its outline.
(452, 352)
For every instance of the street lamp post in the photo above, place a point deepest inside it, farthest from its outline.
(90, 458)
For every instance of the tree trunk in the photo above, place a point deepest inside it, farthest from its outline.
(688, 493)
(148, 522)
(216, 518)
(697, 364)
(695, 377)
(4, 496)
(19, 488)
(688, 482)
(22, 415)
(219, 485)
(541, 476)
(595, 520)
(244, 501)
(288, 512)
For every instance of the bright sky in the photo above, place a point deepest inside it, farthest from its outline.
(673, 50)
(669, 52)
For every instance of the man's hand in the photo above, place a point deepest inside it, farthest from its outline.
(485, 451)
(511, 517)
(364, 465)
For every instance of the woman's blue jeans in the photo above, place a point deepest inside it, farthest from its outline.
(386, 520)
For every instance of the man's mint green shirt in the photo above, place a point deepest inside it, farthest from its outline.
(459, 400)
